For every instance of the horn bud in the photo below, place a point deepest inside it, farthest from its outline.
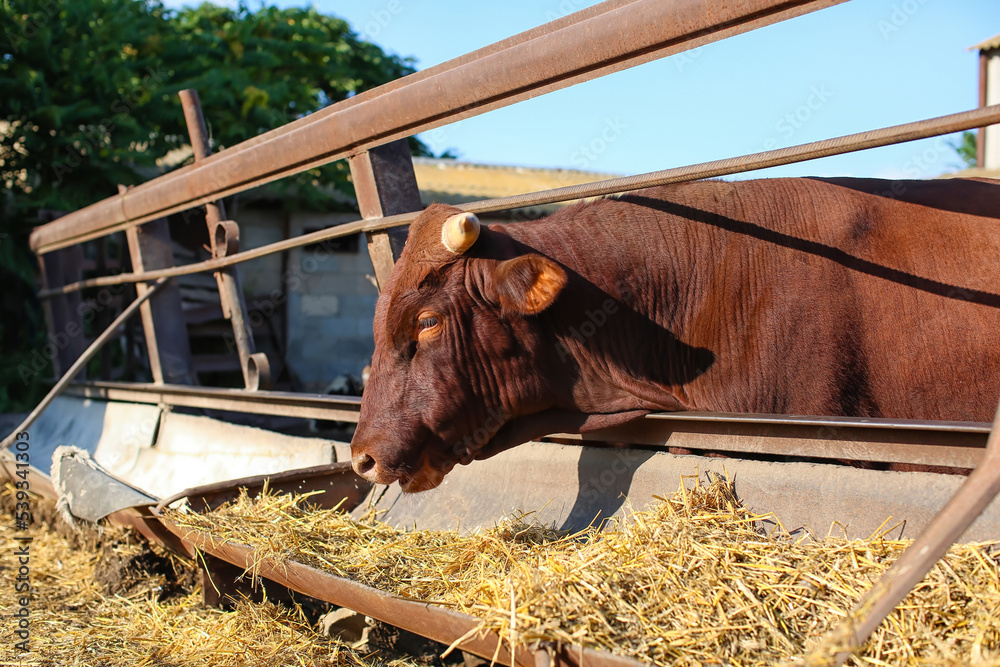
(459, 232)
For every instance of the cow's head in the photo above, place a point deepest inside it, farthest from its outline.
(460, 351)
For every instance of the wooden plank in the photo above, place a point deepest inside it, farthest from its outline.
(162, 318)
(385, 184)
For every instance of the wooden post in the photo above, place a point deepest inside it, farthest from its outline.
(384, 184)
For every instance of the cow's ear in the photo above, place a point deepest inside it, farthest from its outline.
(527, 284)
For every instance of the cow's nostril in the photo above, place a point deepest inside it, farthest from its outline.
(362, 463)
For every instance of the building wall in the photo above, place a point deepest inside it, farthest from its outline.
(330, 300)
(992, 151)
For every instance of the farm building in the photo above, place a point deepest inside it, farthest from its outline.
(988, 156)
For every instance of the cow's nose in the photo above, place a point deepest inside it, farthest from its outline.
(362, 464)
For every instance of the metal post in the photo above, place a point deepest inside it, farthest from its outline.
(385, 184)
(224, 237)
(966, 505)
(981, 132)
(162, 320)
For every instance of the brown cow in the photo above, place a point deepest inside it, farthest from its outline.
(790, 296)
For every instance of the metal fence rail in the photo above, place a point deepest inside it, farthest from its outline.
(810, 151)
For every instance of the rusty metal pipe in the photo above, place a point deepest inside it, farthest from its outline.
(588, 47)
(254, 366)
(846, 144)
(426, 619)
(966, 505)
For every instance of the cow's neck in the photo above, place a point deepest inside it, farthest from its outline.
(616, 326)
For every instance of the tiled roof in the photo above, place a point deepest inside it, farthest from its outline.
(454, 182)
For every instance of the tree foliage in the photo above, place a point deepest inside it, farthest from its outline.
(88, 98)
(965, 147)
(88, 88)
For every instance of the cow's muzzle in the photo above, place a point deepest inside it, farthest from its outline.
(426, 477)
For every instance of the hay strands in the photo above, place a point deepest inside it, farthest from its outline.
(447, 626)
(694, 580)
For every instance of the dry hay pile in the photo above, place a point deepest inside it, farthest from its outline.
(77, 621)
(691, 581)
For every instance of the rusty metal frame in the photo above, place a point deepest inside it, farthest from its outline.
(426, 619)
(163, 326)
(916, 442)
(735, 165)
(384, 184)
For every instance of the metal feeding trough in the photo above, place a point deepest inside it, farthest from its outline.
(134, 451)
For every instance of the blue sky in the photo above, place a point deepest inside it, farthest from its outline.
(857, 66)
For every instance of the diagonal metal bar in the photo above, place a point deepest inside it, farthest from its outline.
(592, 44)
(87, 355)
(968, 503)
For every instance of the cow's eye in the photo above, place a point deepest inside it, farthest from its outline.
(427, 325)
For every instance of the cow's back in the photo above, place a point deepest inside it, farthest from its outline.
(816, 296)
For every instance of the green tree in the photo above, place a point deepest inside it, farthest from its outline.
(88, 100)
(257, 70)
(966, 149)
